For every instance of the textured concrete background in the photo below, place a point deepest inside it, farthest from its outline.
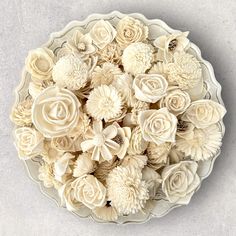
(26, 24)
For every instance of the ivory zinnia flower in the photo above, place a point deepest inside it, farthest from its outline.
(99, 141)
(104, 102)
(126, 190)
(104, 74)
(203, 145)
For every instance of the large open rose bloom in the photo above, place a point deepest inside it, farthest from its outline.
(180, 181)
(158, 126)
(55, 112)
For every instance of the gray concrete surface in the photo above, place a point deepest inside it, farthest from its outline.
(26, 24)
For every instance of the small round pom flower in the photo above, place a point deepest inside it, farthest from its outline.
(137, 58)
(104, 102)
(104, 74)
(70, 72)
(126, 190)
(203, 145)
(185, 70)
(46, 174)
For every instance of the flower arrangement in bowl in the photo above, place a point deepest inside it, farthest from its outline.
(118, 118)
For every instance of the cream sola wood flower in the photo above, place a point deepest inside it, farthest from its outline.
(106, 213)
(100, 142)
(71, 72)
(137, 58)
(105, 74)
(104, 102)
(126, 190)
(203, 144)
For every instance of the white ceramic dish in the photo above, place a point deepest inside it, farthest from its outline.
(157, 27)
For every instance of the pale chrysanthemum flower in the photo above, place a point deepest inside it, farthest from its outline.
(107, 213)
(203, 145)
(70, 72)
(158, 155)
(21, 113)
(136, 161)
(104, 168)
(100, 142)
(126, 190)
(104, 102)
(137, 58)
(111, 53)
(105, 74)
(185, 70)
(137, 144)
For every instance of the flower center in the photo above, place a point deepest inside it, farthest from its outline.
(99, 140)
(81, 46)
(118, 139)
(172, 45)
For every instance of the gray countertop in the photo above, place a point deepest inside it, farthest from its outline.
(26, 24)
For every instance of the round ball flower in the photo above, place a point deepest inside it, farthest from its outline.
(102, 33)
(203, 144)
(70, 72)
(100, 142)
(39, 63)
(185, 70)
(21, 114)
(55, 112)
(158, 126)
(89, 191)
(176, 101)
(137, 58)
(104, 102)
(105, 74)
(29, 142)
(203, 113)
(150, 87)
(180, 181)
(130, 30)
(126, 190)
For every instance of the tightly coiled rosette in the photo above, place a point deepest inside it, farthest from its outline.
(180, 181)
(55, 112)
(158, 126)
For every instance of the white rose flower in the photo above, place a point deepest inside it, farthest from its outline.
(29, 142)
(176, 101)
(102, 33)
(150, 87)
(66, 193)
(158, 126)
(130, 30)
(55, 112)
(39, 63)
(84, 165)
(180, 181)
(153, 181)
(203, 113)
(89, 191)
(137, 58)
(71, 72)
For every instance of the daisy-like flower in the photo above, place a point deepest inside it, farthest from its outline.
(104, 102)
(70, 72)
(81, 44)
(126, 190)
(104, 74)
(99, 141)
(185, 70)
(107, 213)
(203, 144)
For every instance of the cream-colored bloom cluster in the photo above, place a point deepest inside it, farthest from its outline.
(117, 118)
